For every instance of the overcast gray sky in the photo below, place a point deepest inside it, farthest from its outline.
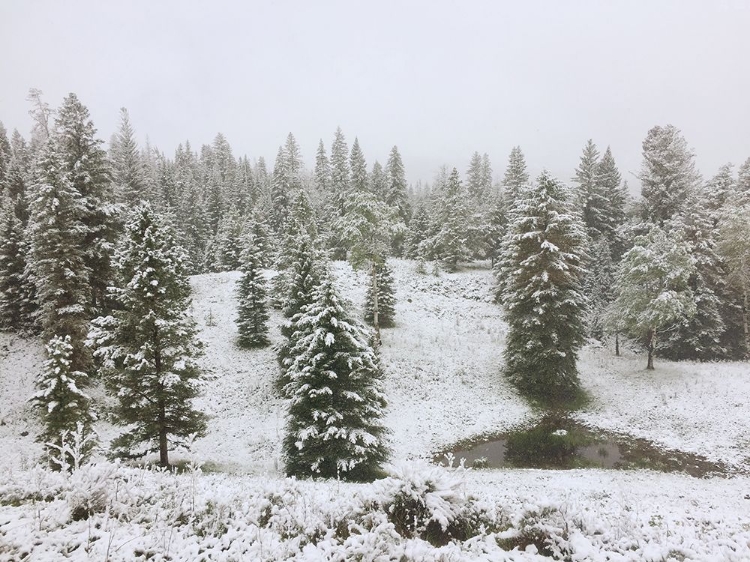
(440, 79)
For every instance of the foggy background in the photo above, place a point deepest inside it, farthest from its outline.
(438, 79)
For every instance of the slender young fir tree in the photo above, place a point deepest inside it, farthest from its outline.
(386, 301)
(147, 346)
(540, 276)
(653, 290)
(451, 238)
(334, 427)
(57, 263)
(17, 291)
(65, 409)
(252, 314)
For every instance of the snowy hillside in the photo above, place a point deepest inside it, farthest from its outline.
(443, 385)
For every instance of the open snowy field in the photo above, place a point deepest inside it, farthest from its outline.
(444, 385)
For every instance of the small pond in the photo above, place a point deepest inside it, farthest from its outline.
(558, 442)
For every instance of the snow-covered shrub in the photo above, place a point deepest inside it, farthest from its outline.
(88, 491)
(430, 503)
(544, 526)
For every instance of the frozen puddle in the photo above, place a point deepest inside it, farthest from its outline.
(558, 442)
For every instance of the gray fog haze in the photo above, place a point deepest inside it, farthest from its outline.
(439, 79)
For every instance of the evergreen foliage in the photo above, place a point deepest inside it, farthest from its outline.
(147, 347)
(127, 173)
(63, 405)
(87, 169)
(386, 302)
(17, 292)
(57, 263)
(516, 176)
(450, 241)
(668, 175)
(252, 314)
(334, 427)
(540, 275)
(653, 288)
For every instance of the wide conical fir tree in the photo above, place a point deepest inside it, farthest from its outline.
(386, 301)
(57, 261)
(147, 347)
(540, 275)
(334, 426)
(252, 313)
(65, 409)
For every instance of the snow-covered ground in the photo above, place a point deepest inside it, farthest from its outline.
(443, 383)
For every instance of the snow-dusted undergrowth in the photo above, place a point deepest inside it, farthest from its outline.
(443, 384)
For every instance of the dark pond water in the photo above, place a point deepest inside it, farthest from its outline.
(561, 443)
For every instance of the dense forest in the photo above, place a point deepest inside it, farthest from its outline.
(97, 245)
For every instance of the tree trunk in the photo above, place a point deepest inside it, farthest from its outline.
(650, 340)
(745, 330)
(163, 445)
(617, 344)
(375, 312)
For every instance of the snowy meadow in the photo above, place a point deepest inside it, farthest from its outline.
(442, 360)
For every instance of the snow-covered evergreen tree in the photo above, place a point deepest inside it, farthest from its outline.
(653, 290)
(386, 301)
(228, 243)
(734, 249)
(17, 291)
(590, 197)
(379, 182)
(419, 229)
(63, 405)
(127, 172)
(252, 313)
(358, 165)
(474, 178)
(147, 347)
(698, 337)
(540, 275)
(598, 287)
(397, 198)
(334, 426)
(57, 261)
(451, 239)
(668, 175)
(88, 171)
(516, 176)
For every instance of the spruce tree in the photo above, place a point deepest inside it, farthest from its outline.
(397, 198)
(127, 173)
(589, 195)
(474, 178)
(17, 291)
(652, 286)
(734, 249)
(252, 315)
(453, 214)
(668, 175)
(698, 337)
(147, 347)
(540, 275)
(386, 301)
(334, 427)
(57, 261)
(88, 171)
(65, 409)
(614, 196)
(419, 229)
(516, 176)
(379, 182)
(358, 165)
